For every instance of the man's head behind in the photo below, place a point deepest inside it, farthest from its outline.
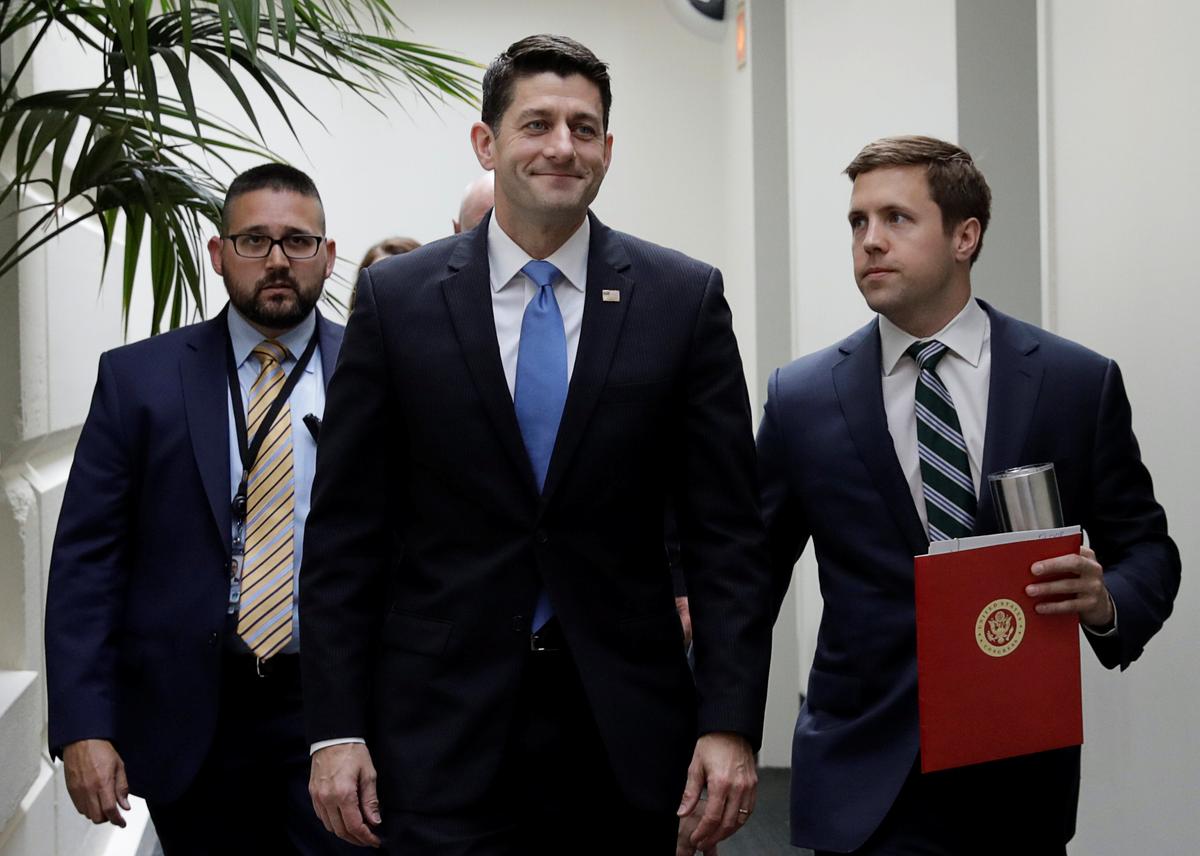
(534, 55)
(477, 201)
(955, 182)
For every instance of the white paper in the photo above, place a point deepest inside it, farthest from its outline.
(955, 545)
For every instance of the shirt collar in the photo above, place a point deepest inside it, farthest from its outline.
(964, 335)
(245, 338)
(505, 258)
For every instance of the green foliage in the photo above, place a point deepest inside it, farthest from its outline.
(154, 159)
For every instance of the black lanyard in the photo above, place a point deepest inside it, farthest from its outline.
(249, 449)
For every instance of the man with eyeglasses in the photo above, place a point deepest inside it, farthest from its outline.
(171, 626)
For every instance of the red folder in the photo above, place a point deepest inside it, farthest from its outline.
(995, 678)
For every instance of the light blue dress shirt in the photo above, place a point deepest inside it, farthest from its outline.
(307, 397)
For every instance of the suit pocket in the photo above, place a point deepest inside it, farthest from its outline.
(840, 695)
(428, 636)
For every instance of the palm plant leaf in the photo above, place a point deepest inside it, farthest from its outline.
(154, 157)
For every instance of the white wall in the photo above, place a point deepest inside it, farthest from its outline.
(847, 86)
(57, 320)
(675, 98)
(63, 323)
(1123, 123)
(676, 101)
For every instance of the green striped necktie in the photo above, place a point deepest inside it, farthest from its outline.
(945, 469)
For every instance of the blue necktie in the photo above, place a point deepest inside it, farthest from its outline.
(541, 387)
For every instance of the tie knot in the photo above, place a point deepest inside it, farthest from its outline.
(927, 354)
(541, 272)
(269, 350)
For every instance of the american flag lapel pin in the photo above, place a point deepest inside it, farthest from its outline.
(610, 295)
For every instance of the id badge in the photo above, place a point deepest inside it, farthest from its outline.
(235, 583)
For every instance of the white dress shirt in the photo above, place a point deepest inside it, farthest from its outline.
(512, 291)
(966, 369)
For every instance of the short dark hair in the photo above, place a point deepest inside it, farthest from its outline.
(534, 55)
(272, 176)
(955, 182)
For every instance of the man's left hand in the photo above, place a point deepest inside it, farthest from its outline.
(1082, 592)
(725, 764)
(683, 842)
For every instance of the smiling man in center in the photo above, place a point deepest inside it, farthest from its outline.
(489, 614)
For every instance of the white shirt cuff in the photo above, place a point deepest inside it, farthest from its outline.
(1100, 634)
(321, 744)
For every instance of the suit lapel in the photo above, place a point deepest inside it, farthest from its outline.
(857, 382)
(468, 293)
(1012, 393)
(205, 395)
(329, 338)
(598, 334)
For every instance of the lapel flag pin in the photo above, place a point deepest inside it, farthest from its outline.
(610, 295)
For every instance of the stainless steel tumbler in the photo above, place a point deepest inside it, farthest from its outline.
(1026, 498)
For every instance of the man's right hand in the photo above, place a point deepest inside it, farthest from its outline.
(685, 618)
(96, 781)
(342, 787)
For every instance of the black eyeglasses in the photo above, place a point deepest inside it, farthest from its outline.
(251, 246)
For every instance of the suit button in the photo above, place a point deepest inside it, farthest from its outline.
(213, 639)
(520, 624)
(541, 537)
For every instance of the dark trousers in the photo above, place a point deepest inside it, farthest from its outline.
(1003, 807)
(251, 795)
(555, 794)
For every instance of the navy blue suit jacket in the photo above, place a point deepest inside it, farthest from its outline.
(428, 539)
(139, 575)
(829, 472)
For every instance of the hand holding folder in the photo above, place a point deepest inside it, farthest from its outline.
(995, 677)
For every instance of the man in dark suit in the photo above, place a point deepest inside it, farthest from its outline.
(485, 596)
(170, 619)
(877, 445)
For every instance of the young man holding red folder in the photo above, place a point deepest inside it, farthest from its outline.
(879, 444)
